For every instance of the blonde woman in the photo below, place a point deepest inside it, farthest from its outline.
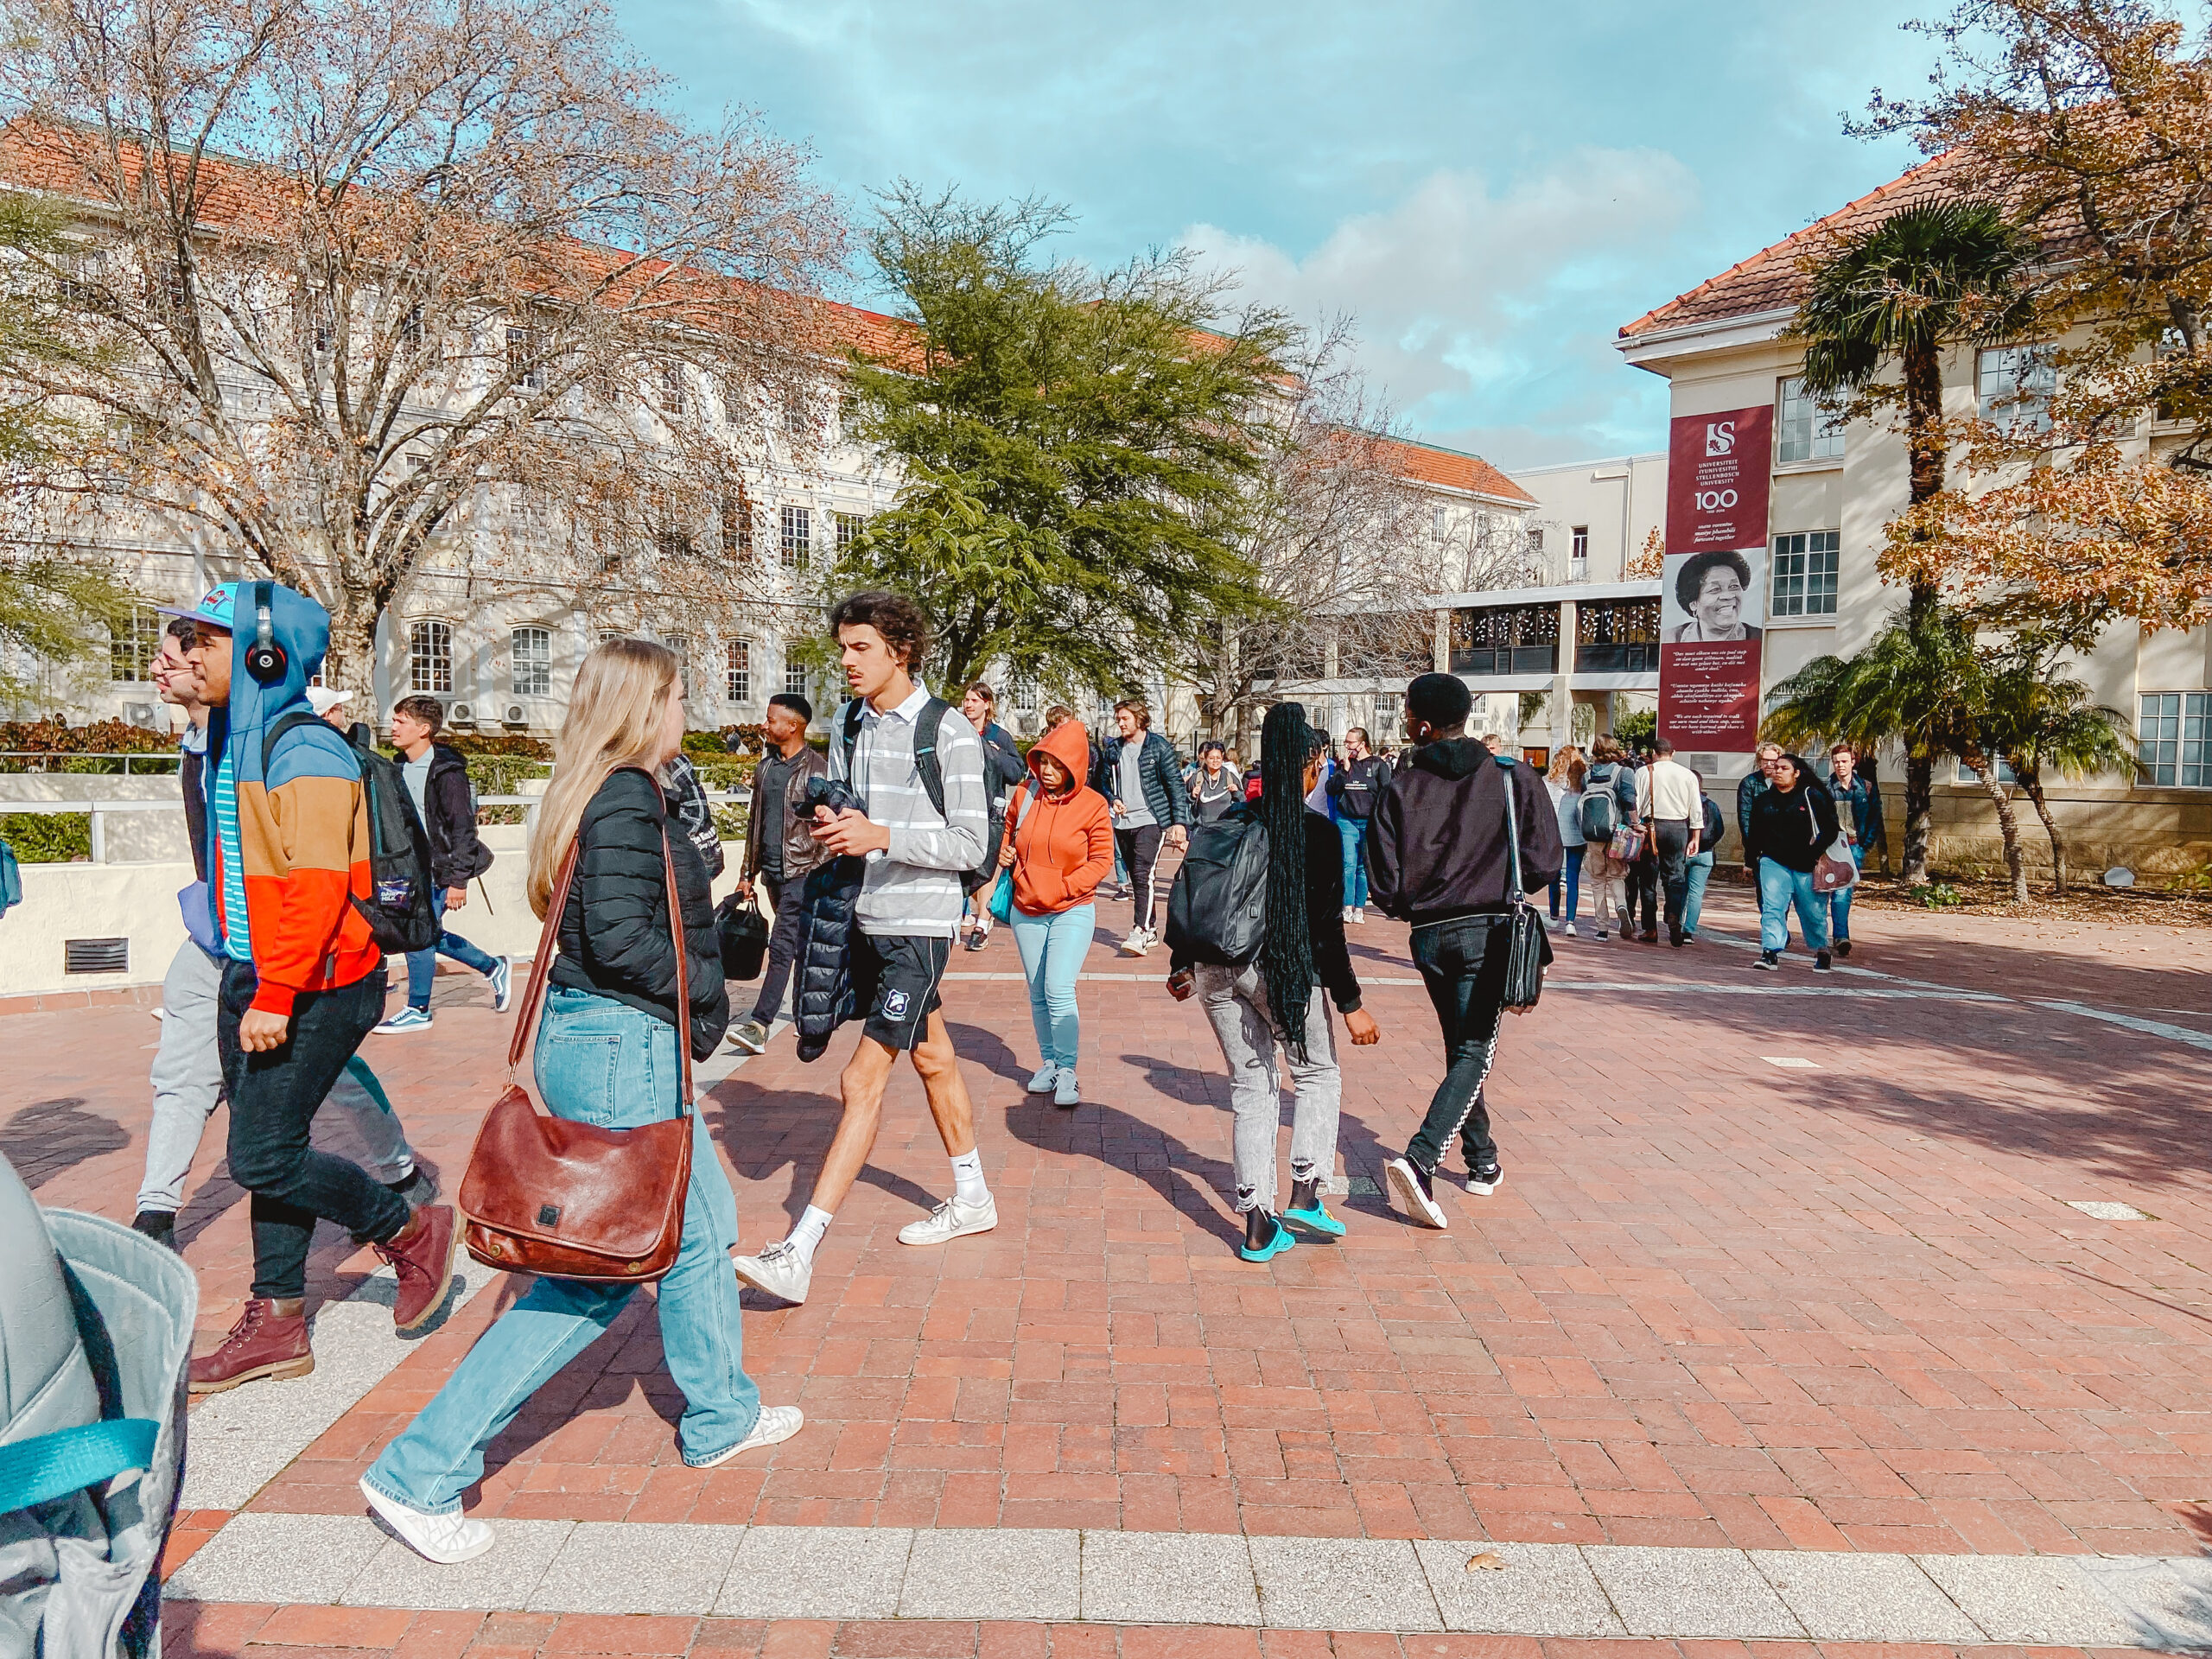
(606, 1055)
(1610, 775)
(1564, 782)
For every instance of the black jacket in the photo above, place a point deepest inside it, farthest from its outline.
(1356, 786)
(1436, 844)
(457, 857)
(1325, 911)
(615, 937)
(1792, 827)
(1165, 795)
(192, 783)
(823, 995)
(1003, 767)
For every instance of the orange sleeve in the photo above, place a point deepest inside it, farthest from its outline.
(1098, 862)
(296, 915)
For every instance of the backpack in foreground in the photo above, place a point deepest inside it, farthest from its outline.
(1600, 809)
(399, 908)
(932, 774)
(1217, 909)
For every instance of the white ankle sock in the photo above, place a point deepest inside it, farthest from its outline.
(968, 1184)
(808, 1234)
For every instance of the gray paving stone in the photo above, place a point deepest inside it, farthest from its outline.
(1142, 1578)
(2030, 1598)
(963, 1572)
(1846, 1598)
(499, 1580)
(2169, 1602)
(815, 1573)
(278, 1558)
(1343, 1584)
(1690, 1593)
(634, 1566)
(1543, 1590)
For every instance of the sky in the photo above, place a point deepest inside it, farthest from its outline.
(1490, 190)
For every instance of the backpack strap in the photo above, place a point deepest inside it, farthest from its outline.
(284, 723)
(47, 1467)
(926, 762)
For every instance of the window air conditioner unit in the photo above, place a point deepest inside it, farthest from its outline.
(460, 714)
(516, 715)
(139, 714)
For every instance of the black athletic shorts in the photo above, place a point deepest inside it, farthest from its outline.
(907, 970)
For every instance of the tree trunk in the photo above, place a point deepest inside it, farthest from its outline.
(2008, 823)
(1919, 817)
(351, 664)
(2032, 782)
(1924, 449)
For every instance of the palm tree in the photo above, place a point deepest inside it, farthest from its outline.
(2039, 715)
(1925, 278)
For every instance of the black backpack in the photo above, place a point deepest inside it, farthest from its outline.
(933, 775)
(400, 909)
(1217, 909)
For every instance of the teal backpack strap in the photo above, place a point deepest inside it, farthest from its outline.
(47, 1467)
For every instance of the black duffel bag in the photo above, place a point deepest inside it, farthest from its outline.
(743, 933)
(1529, 948)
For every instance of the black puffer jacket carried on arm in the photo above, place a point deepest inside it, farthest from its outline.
(615, 937)
(825, 995)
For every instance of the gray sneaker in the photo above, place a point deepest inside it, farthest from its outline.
(752, 1036)
(1065, 1092)
(1043, 1081)
(775, 1424)
(780, 1270)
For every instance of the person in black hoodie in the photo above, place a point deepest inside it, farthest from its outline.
(1790, 824)
(1255, 1007)
(437, 782)
(1437, 858)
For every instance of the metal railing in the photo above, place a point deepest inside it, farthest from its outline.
(52, 760)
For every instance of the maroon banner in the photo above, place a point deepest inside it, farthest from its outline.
(1717, 468)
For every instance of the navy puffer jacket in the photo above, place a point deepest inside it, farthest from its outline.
(825, 995)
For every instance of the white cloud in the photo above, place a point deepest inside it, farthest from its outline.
(1482, 313)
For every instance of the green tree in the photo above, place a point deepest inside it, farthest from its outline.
(2039, 715)
(53, 607)
(1926, 277)
(1077, 443)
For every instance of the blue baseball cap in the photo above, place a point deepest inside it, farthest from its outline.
(215, 608)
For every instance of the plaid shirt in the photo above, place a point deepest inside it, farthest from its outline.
(693, 812)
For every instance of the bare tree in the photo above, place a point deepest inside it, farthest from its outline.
(364, 287)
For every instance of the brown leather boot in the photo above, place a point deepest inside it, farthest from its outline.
(270, 1339)
(422, 1254)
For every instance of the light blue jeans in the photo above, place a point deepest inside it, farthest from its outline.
(423, 965)
(1354, 832)
(1699, 871)
(598, 1061)
(1052, 949)
(1780, 889)
(1839, 900)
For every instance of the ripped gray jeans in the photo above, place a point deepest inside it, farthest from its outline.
(1236, 1004)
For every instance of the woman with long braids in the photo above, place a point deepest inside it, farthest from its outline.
(1281, 998)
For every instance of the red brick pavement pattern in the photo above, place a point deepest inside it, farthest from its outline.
(192, 1632)
(1716, 1301)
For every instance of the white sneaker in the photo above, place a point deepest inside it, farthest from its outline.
(1043, 1081)
(1137, 944)
(774, 1423)
(1067, 1092)
(1569, 930)
(1414, 1193)
(781, 1270)
(1359, 915)
(954, 1218)
(448, 1540)
(1347, 915)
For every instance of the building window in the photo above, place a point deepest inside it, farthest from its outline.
(429, 657)
(737, 671)
(521, 343)
(794, 677)
(410, 327)
(1804, 429)
(530, 661)
(1616, 636)
(1578, 553)
(2174, 738)
(2016, 385)
(1968, 775)
(798, 537)
(849, 526)
(671, 388)
(132, 646)
(737, 526)
(1804, 574)
(1503, 640)
(1024, 691)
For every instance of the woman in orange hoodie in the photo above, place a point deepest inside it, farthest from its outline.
(1059, 843)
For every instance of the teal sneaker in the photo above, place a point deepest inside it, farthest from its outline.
(1275, 1247)
(1316, 1220)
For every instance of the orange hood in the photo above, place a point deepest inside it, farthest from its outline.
(1068, 744)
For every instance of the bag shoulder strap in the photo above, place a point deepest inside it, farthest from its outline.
(47, 1467)
(1513, 893)
(282, 724)
(851, 725)
(926, 762)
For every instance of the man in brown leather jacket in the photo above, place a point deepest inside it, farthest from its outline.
(778, 852)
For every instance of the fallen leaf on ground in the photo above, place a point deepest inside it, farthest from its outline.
(1486, 1560)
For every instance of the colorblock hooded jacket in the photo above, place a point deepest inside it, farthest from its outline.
(294, 844)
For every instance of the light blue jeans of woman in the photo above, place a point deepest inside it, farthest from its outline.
(601, 1062)
(1052, 949)
(1780, 888)
(1698, 873)
(1353, 833)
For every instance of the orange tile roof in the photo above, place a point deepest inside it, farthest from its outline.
(1453, 469)
(1771, 279)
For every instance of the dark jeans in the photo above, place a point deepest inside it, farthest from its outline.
(783, 945)
(1462, 963)
(274, 1096)
(1673, 868)
(1644, 891)
(1140, 850)
(423, 965)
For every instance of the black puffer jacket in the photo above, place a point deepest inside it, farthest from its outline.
(825, 995)
(615, 937)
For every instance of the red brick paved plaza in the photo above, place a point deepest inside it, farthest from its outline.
(1844, 1306)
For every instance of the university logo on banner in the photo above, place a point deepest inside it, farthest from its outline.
(1713, 582)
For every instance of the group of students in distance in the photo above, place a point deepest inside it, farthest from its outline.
(301, 985)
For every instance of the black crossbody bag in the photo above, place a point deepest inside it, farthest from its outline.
(1529, 948)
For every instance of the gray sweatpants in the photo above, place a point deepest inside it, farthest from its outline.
(187, 1079)
(1236, 1004)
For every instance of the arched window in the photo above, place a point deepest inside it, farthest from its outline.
(429, 657)
(530, 661)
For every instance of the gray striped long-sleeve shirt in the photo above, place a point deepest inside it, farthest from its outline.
(912, 887)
